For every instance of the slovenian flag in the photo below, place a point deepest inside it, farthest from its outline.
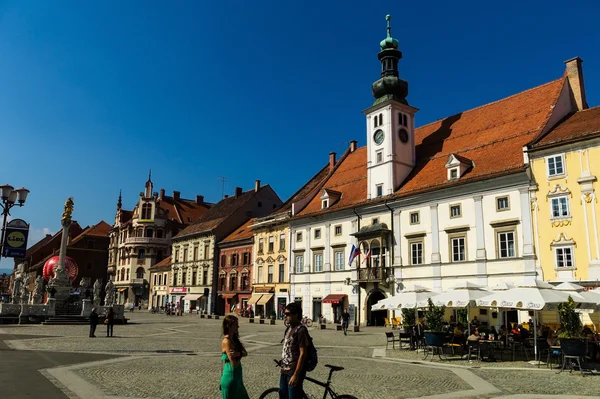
(353, 254)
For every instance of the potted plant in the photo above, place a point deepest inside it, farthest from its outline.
(409, 318)
(434, 316)
(571, 342)
(272, 317)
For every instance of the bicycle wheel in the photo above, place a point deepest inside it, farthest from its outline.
(346, 397)
(271, 393)
(308, 322)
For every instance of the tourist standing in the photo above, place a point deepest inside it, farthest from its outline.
(293, 354)
(109, 321)
(232, 382)
(93, 323)
(345, 321)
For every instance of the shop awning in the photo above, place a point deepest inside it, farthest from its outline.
(192, 297)
(254, 298)
(334, 298)
(122, 289)
(264, 299)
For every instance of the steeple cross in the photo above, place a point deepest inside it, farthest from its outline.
(388, 18)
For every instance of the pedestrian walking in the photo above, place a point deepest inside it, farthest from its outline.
(109, 321)
(93, 323)
(293, 354)
(132, 307)
(232, 382)
(345, 321)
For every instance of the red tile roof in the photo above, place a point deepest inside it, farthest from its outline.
(491, 136)
(578, 126)
(125, 216)
(241, 233)
(98, 230)
(183, 211)
(163, 263)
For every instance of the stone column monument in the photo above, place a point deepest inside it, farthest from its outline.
(60, 282)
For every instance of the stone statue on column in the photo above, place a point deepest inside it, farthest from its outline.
(84, 284)
(96, 292)
(109, 299)
(38, 291)
(24, 290)
(16, 291)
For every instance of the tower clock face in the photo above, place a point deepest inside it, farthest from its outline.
(403, 135)
(378, 137)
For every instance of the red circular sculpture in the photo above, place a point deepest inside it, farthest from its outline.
(70, 266)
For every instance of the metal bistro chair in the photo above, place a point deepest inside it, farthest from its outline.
(474, 347)
(391, 338)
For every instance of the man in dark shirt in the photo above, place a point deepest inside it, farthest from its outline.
(293, 354)
(93, 323)
(345, 320)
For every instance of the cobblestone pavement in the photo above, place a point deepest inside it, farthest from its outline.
(178, 357)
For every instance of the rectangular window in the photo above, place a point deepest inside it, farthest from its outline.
(506, 244)
(270, 274)
(142, 254)
(564, 257)
(206, 251)
(205, 277)
(185, 255)
(195, 253)
(299, 263)
(338, 230)
(281, 272)
(246, 258)
(184, 278)
(176, 255)
(282, 242)
(339, 260)
(317, 234)
(194, 278)
(560, 207)
(223, 260)
(459, 253)
(374, 220)
(379, 188)
(555, 165)
(455, 211)
(379, 156)
(299, 236)
(318, 262)
(324, 204)
(416, 253)
(260, 274)
(502, 204)
(271, 243)
(454, 173)
(261, 245)
(155, 278)
(414, 218)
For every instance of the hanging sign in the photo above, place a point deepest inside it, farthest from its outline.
(15, 239)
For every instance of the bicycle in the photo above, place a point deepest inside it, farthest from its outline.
(306, 321)
(273, 393)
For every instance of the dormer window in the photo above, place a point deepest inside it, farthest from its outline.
(453, 173)
(324, 204)
(457, 166)
(329, 197)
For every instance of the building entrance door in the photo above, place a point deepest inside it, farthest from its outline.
(316, 309)
(280, 307)
(375, 317)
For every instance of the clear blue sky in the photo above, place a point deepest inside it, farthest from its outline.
(93, 94)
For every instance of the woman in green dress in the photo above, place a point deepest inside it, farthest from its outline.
(232, 383)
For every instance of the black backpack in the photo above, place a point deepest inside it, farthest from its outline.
(312, 358)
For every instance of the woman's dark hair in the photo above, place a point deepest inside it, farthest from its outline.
(294, 308)
(228, 321)
(110, 311)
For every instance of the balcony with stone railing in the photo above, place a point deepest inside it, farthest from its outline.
(374, 274)
(147, 241)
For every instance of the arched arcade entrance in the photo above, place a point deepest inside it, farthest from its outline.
(375, 317)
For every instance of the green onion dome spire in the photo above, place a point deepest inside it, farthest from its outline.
(389, 42)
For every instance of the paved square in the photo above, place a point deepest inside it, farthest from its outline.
(156, 356)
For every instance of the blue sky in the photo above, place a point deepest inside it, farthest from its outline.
(93, 94)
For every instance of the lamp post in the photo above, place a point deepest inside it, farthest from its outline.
(10, 197)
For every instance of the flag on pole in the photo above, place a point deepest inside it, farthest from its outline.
(367, 256)
(353, 254)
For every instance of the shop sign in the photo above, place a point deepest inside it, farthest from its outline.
(179, 290)
(264, 290)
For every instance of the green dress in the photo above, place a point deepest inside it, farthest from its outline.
(232, 383)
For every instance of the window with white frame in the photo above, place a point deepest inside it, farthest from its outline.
(506, 244)
(271, 243)
(317, 234)
(502, 204)
(324, 204)
(458, 248)
(564, 257)
(560, 207)
(260, 274)
(282, 242)
(379, 188)
(455, 211)
(454, 173)
(261, 245)
(299, 263)
(339, 260)
(338, 230)
(416, 253)
(379, 156)
(318, 262)
(270, 274)
(555, 165)
(414, 218)
(299, 236)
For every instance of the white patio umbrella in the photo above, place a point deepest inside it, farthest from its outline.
(588, 301)
(382, 304)
(462, 295)
(537, 295)
(503, 287)
(410, 297)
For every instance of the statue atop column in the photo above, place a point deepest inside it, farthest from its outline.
(109, 299)
(66, 216)
(84, 284)
(38, 291)
(96, 292)
(25, 290)
(16, 291)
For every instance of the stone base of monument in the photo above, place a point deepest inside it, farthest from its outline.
(62, 291)
(86, 308)
(119, 311)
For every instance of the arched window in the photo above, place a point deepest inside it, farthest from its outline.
(122, 274)
(245, 282)
(233, 282)
(140, 232)
(380, 119)
(139, 273)
(146, 211)
(375, 121)
(159, 233)
(149, 232)
(127, 274)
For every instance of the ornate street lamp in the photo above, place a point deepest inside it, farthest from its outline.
(10, 197)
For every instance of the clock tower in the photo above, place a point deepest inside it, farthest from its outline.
(390, 125)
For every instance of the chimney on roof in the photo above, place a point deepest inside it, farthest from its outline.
(225, 196)
(353, 144)
(331, 160)
(575, 76)
(238, 191)
(199, 199)
(176, 195)
(256, 185)
(162, 194)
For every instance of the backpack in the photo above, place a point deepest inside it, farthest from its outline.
(312, 358)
